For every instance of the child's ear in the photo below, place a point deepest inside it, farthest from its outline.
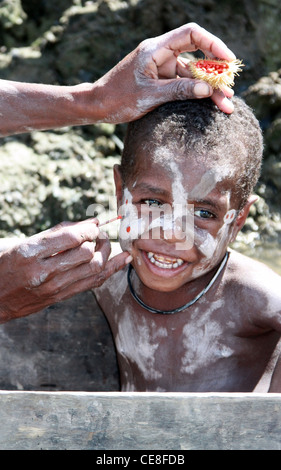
(118, 184)
(242, 216)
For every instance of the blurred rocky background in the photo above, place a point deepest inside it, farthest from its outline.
(47, 177)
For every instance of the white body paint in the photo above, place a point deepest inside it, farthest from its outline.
(203, 340)
(138, 343)
(30, 250)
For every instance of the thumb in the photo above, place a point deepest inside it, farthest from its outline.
(183, 88)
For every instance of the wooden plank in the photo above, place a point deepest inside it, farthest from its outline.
(139, 421)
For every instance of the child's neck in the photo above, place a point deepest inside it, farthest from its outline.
(177, 300)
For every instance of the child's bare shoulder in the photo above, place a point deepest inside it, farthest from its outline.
(249, 270)
(257, 286)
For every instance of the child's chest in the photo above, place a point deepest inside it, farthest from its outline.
(194, 351)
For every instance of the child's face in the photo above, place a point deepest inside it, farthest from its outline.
(193, 217)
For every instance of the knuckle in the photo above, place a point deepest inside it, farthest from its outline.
(26, 251)
(49, 290)
(193, 25)
(100, 279)
(182, 89)
(147, 46)
(143, 45)
(36, 278)
(87, 250)
(96, 266)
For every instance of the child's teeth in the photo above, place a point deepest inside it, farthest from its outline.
(165, 263)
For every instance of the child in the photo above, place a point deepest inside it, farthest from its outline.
(191, 315)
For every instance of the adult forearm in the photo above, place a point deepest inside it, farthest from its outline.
(25, 106)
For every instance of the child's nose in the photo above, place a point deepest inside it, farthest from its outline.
(181, 231)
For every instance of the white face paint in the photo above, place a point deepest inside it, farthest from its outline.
(207, 244)
(229, 216)
(134, 226)
(205, 186)
(131, 226)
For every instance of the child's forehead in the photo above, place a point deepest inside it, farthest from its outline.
(204, 169)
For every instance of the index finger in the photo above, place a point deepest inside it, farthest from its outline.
(189, 38)
(210, 44)
(64, 236)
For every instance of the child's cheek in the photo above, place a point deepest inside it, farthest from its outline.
(131, 226)
(205, 242)
(212, 247)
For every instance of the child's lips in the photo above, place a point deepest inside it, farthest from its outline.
(163, 265)
(164, 262)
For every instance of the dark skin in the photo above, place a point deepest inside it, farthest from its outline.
(224, 341)
(152, 74)
(218, 356)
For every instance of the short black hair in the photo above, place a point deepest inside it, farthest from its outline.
(203, 131)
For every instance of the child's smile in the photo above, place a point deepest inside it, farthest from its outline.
(162, 265)
(164, 262)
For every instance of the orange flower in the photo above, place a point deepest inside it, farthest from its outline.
(218, 73)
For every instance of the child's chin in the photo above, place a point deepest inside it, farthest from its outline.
(159, 284)
(159, 287)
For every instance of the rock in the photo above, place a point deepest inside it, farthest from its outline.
(12, 17)
(264, 97)
(54, 176)
(272, 136)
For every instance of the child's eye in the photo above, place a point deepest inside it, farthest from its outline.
(204, 214)
(152, 202)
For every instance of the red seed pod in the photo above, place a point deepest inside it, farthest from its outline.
(218, 73)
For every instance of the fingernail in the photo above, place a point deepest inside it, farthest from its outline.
(231, 55)
(202, 89)
(128, 259)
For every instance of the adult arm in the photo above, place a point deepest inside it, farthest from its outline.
(53, 266)
(150, 75)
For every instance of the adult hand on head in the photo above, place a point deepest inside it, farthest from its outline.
(54, 265)
(154, 73)
(150, 75)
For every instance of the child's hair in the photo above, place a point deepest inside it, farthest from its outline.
(203, 132)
